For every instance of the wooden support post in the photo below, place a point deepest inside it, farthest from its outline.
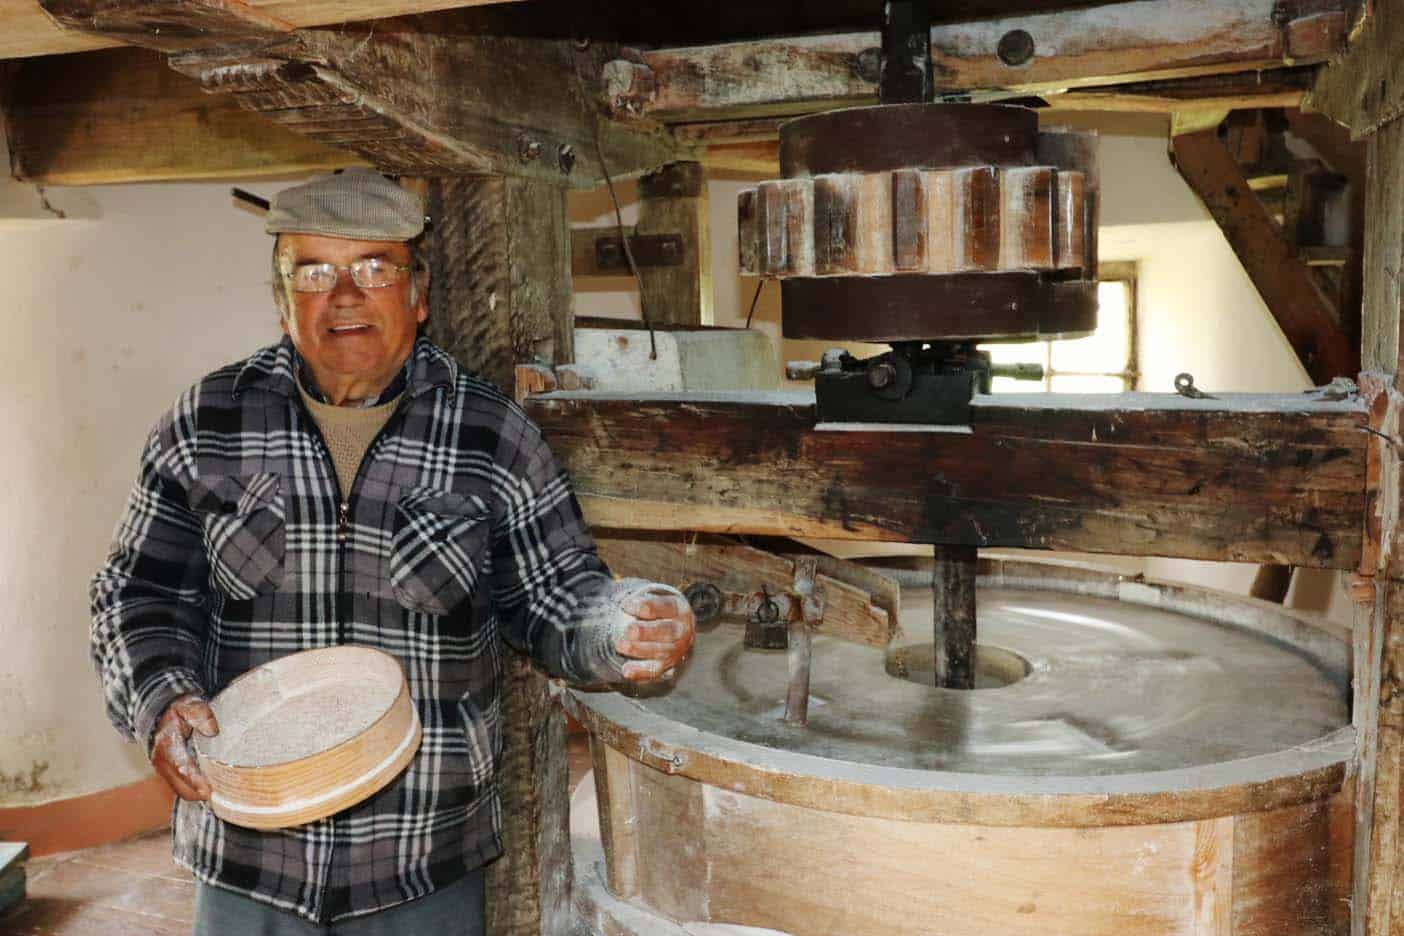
(500, 294)
(1378, 907)
(953, 615)
(673, 200)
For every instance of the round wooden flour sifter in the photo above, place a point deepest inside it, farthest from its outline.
(308, 735)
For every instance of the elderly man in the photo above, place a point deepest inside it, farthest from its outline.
(352, 485)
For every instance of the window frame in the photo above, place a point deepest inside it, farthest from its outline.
(1115, 271)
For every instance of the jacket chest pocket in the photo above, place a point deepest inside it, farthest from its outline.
(245, 531)
(437, 549)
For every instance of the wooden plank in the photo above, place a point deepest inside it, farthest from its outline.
(122, 115)
(26, 30)
(1307, 318)
(1146, 476)
(1119, 42)
(673, 200)
(1364, 90)
(618, 822)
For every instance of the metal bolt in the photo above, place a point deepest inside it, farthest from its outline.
(881, 375)
(528, 149)
(566, 154)
(869, 65)
(1015, 48)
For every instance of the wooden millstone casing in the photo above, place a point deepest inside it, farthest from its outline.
(696, 828)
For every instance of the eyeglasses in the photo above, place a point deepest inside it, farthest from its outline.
(367, 273)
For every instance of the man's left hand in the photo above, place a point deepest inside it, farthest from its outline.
(658, 637)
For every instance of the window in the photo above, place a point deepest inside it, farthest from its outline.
(1102, 362)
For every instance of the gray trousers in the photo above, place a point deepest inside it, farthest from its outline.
(456, 910)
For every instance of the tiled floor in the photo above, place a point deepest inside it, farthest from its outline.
(125, 889)
(130, 888)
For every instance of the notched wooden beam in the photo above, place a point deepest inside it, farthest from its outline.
(168, 25)
(1264, 480)
(424, 103)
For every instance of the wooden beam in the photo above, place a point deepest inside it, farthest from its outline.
(1378, 710)
(499, 253)
(1307, 318)
(389, 92)
(1364, 90)
(27, 30)
(673, 200)
(1278, 480)
(1113, 43)
(121, 115)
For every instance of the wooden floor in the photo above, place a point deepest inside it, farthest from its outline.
(130, 888)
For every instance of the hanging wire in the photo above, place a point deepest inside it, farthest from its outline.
(754, 298)
(593, 116)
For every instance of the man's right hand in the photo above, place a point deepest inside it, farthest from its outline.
(170, 752)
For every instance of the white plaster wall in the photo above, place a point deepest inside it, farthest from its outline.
(108, 315)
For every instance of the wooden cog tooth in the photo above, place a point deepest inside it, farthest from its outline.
(910, 223)
(1026, 219)
(1068, 219)
(964, 219)
(853, 224)
(747, 232)
(784, 213)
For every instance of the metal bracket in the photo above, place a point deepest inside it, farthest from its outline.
(650, 250)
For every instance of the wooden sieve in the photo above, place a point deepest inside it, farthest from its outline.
(308, 735)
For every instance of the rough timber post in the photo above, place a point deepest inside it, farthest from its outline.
(1378, 904)
(499, 250)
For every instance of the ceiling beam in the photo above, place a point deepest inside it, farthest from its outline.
(27, 30)
(1116, 43)
(122, 115)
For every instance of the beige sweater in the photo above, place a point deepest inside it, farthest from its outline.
(348, 432)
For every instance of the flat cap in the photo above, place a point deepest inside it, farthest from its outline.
(360, 204)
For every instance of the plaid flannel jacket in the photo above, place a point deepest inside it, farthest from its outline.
(235, 548)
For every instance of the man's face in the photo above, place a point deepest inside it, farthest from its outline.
(351, 335)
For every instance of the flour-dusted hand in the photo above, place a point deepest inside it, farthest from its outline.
(634, 631)
(170, 751)
(656, 633)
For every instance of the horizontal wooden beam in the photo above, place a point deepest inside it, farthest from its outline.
(1268, 479)
(27, 30)
(122, 115)
(1113, 43)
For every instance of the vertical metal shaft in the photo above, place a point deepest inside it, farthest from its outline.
(906, 53)
(953, 615)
